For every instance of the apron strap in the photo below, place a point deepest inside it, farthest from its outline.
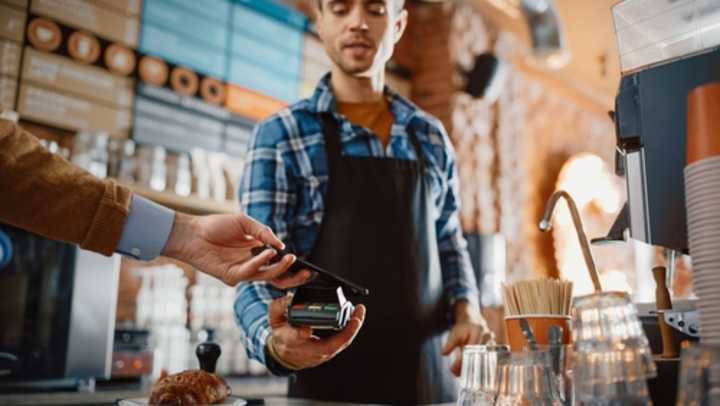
(331, 134)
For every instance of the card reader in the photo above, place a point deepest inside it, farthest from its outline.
(321, 303)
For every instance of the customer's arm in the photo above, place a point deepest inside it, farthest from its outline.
(45, 194)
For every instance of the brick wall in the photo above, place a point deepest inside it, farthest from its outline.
(509, 152)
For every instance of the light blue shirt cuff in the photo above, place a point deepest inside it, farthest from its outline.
(147, 229)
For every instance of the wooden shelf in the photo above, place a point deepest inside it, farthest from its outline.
(190, 204)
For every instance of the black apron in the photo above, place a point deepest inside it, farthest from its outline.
(378, 230)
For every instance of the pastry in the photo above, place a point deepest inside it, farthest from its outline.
(192, 387)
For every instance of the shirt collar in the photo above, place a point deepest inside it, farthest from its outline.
(323, 101)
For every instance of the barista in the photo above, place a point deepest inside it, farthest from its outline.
(364, 184)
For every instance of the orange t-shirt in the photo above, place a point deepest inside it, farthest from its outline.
(375, 116)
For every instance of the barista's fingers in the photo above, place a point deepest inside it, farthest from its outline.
(276, 312)
(456, 366)
(288, 280)
(453, 341)
(471, 336)
(338, 342)
(294, 336)
(488, 337)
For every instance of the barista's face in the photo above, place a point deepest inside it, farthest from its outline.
(359, 35)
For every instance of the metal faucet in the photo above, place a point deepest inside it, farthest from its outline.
(545, 225)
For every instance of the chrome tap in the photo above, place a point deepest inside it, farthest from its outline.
(545, 225)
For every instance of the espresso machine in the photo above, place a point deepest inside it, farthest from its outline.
(667, 48)
(659, 70)
(57, 313)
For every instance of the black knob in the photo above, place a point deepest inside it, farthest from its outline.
(208, 354)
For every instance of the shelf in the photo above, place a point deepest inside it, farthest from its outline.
(190, 204)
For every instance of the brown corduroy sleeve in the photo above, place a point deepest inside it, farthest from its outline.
(43, 193)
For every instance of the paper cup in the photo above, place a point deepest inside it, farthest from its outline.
(540, 325)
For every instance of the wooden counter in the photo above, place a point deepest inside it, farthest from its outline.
(265, 388)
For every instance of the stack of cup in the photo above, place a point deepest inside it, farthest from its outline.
(478, 380)
(699, 380)
(702, 198)
(611, 354)
(527, 379)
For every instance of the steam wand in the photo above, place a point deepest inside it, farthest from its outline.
(545, 225)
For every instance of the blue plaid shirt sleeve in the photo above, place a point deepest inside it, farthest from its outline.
(265, 194)
(459, 280)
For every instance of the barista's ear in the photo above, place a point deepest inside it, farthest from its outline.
(400, 25)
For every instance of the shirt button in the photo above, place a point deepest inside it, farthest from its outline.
(135, 252)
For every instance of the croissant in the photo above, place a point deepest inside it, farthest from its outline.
(193, 387)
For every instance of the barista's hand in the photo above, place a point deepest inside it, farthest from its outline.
(220, 245)
(296, 347)
(470, 328)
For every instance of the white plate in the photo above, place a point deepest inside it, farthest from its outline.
(230, 401)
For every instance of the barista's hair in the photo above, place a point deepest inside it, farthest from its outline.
(399, 4)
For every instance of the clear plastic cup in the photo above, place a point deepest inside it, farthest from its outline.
(527, 378)
(607, 322)
(478, 383)
(612, 359)
(699, 378)
(560, 357)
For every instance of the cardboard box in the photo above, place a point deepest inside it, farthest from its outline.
(236, 148)
(263, 80)
(199, 123)
(270, 57)
(8, 89)
(250, 104)
(180, 50)
(18, 4)
(266, 29)
(129, 7)
(88, 15)
(165, 14)
(218, 10)
(163, 124)
(70, 112)
(278, 11)
(12, 23)
(192, 104)
(9, 58)
(61, 73)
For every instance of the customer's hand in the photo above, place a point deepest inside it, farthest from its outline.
(469, 328)
(297, 348)
(220, 245)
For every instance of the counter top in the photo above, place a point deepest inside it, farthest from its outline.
(264, 388)
(109, 394)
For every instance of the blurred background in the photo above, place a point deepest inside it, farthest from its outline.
(163, 96)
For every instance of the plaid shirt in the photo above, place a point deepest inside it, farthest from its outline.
(285, 181)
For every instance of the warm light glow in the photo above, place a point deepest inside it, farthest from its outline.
(614, 280)
(599, 195)
(586, 178)
(508, 7)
